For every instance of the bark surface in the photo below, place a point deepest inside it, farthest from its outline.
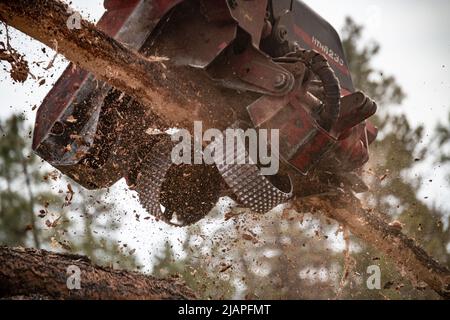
(32, 273)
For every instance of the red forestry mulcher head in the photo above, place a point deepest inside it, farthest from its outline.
(278, 51)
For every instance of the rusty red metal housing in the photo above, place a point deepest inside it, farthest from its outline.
(237, 44)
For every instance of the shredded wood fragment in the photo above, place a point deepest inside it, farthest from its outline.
(52, 61)
(19, 66)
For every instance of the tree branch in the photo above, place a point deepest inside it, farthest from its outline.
(410, 259)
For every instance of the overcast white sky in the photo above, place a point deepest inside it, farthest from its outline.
(415, 41)
(415, 47)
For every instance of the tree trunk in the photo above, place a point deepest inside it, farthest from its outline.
(35, 273)
(171, 100)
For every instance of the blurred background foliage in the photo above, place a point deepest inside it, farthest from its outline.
(42, 209)
(281, 255)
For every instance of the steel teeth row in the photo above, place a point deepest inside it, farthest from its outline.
(253, 190)
(151, 178)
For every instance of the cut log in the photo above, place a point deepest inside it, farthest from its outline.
(411, 260)
(148, 81)
(142, 79)
(35, 273)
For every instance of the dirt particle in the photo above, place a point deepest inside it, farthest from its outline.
(71, 119)
(396, 225)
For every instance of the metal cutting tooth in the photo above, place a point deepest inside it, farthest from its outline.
(252, 189)
(162, 202)
(156, 165)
